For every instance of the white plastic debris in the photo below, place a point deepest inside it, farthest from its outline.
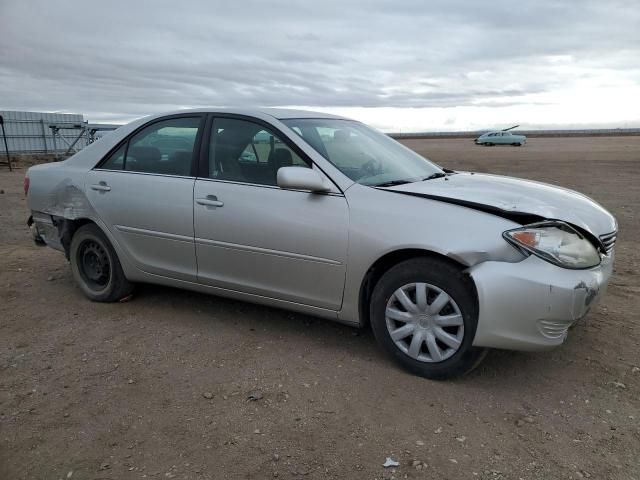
(390, 462)
(618, 385)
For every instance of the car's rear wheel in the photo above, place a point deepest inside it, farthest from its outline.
(424, 314)
(95, 266)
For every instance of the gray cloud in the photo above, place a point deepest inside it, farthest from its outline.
(122, 59)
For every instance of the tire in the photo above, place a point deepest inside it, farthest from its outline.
(488, 144)
(448, 360)
(95, 266)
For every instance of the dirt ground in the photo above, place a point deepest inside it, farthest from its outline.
(159, 387)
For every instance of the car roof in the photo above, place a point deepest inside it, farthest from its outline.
(87, 156)
(279, 113)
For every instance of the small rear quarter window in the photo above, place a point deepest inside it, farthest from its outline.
(115, 160)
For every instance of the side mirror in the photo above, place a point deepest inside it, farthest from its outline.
(301, 178)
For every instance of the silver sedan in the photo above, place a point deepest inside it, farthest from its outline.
(323, 215)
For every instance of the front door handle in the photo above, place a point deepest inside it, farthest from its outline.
(101, 187)
(210, 201)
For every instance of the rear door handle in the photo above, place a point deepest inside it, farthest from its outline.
(210, 201)
(101, 187)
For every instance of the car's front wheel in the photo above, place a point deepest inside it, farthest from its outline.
(95, 266)
(423, 313)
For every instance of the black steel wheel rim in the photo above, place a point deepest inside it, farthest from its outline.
(94, 264)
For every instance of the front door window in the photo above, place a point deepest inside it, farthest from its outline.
(244, 151)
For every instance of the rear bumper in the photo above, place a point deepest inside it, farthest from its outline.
(35, 234)
(530, 305)
(43, 231)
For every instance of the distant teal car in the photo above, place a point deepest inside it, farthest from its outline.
(490, 139)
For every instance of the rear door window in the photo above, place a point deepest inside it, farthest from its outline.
(165, 147)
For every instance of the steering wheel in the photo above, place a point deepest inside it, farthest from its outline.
(370, 168)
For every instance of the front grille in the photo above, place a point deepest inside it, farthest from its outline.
(608, 241)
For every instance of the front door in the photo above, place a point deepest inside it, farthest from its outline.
(144, 193)
(254, 237)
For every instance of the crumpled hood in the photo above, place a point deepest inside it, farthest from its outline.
(515, 196)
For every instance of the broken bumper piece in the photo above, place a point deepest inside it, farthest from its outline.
(35, 235)
(44, 231)
(530, 305)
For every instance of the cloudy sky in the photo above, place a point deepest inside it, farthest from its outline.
(404, 65)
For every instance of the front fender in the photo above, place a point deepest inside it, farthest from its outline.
(383, 221)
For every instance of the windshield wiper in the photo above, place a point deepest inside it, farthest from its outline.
(391, 183)
(434, 175)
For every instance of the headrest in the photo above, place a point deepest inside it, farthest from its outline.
(144, 154)
(282, 157)
(180, 162)
(341, 135)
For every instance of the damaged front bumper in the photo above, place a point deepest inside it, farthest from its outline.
(530, 305)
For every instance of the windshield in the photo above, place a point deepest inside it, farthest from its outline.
(364, 155)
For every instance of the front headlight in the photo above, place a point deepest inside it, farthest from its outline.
(555, 242)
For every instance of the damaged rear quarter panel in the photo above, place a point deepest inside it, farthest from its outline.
(54, 192)
(59, 192)
(56, 196)
(58, 189)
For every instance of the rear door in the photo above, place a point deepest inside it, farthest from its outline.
(254, 237)
(143, 191)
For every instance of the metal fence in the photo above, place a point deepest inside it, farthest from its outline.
(49, 133)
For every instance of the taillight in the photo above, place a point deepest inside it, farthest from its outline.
(26, 185)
